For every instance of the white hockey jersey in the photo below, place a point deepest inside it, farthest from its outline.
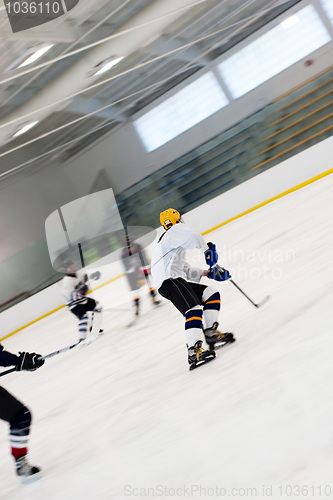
(168, 260)
(71, 288)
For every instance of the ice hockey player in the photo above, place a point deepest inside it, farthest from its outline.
(137, 271)
(17, 414)
(179, 283)
(73, 288)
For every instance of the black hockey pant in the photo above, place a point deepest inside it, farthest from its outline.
(183, 294)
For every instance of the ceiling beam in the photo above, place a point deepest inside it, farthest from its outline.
(82, 106)
(63, 32)
(18, 99)
(162, 45)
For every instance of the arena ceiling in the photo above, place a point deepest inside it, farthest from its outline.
(159, 43)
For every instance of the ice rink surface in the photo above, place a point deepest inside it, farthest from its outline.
(125, 418)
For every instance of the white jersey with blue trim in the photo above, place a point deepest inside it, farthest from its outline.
(168, 260)
(70, 287)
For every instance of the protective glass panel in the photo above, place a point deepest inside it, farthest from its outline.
(89, 229)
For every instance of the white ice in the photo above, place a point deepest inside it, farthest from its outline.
(125, 418)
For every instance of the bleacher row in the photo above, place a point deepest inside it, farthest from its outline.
(295, 121)
(302, 116)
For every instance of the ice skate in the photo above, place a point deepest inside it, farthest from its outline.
(156, 302)
(25, 471)
(137, 306)
(216, 339)
(198, 356)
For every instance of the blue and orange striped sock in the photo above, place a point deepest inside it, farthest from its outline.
(193, 325)
(211, 309)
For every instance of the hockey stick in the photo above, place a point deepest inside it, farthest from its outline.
(64, 349)
(95, 325)
(257, 305)
(261, 303)
(55, 353)
(81, 254)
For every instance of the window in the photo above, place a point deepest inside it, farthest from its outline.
(178, 113)
(282, 46)
(328, 8)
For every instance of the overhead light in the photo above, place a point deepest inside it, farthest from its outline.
(290, 21)
(25, 128)
(30, 56)
(105, 65)
(37, 53)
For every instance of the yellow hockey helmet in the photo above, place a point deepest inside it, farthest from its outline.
(169, 218)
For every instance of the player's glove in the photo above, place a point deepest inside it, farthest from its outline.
(83, 290)
(81, 287)
(29, 361)
(218, 274)
(95, 276)
(211, 255)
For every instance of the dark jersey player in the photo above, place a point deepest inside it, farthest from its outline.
(17, 414)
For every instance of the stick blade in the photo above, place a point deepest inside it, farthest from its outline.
(263, 301)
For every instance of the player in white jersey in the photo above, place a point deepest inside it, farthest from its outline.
(178, 282)
(73, 288)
